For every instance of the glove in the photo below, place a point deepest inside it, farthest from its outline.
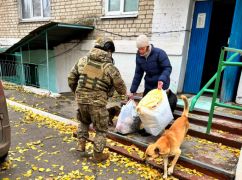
(160, 85)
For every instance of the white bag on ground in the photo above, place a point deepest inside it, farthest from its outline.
(126, 119)
(157, 118)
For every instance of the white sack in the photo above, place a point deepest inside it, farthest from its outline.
(155, 120)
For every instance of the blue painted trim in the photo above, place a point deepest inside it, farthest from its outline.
(197, 48)
(232, 74)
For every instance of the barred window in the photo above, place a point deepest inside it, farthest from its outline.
(121, 7)
(35, 9)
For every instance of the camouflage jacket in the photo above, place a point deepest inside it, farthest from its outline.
(111, 77)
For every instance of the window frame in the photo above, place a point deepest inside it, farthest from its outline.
(32, 18)
(120, 12)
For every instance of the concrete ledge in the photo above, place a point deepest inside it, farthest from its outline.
(42, 92)
(42, 113)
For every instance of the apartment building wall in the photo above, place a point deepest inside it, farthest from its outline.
(239, 91)
(167, 24)
(164, 21)
(89, 12)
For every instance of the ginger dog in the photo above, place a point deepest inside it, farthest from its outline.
(169, 143)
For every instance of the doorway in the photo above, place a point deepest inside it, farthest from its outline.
(212, 21)
(31, 75)
(219, 32)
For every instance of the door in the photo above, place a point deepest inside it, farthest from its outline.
(231, 74)
(31, 75)
(198, 46)
(219, 33)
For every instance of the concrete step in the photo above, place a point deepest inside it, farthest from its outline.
(225, 130)
(218, 136)
(213, 159)
(219, 123)
(183, 169)
(215, 154)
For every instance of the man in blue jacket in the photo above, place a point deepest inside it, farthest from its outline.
(155, 63)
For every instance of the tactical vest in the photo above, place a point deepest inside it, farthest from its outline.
(93, 76)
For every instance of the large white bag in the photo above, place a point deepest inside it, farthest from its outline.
(127, 118)
(157, 118)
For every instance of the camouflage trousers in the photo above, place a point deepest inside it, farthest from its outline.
(98, 115)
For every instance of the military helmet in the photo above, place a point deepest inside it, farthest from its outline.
(105, 44)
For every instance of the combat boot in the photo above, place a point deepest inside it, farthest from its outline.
(81, 146)
(99, 157)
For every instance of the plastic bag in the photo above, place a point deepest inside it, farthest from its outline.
(127, 121)
(151, 100)
(155, 119)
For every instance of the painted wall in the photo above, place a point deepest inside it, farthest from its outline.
(65, 62)
(171, 21)
(124, 61)
(171, 31)
(5, 43)
(38, 57)
(239, 92)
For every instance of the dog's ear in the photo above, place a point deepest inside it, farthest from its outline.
(157, 150)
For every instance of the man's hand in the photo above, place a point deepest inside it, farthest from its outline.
(160, 85)
(131, 96)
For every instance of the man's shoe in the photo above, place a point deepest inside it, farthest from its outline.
(99, 157)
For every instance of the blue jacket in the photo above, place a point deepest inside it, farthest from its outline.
(157, 68)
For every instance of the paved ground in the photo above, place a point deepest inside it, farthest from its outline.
(44, 149)
(65, 105)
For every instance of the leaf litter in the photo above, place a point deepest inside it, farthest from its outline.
(86, 172)
(144, 171)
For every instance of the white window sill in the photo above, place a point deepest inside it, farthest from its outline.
(35, 20)
(119, 16)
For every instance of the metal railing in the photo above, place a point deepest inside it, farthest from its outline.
(223, 62)
(11, 71)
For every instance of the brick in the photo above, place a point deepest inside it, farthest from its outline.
(72, 11)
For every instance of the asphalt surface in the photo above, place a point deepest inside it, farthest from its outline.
(64, 106)
(41, 152)
(44, 149)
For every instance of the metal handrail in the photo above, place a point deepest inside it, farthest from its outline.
(221, 67)
(205, 88)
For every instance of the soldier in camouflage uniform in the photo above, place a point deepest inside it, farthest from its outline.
(93, 80)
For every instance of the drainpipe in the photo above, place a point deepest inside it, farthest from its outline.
(47, 60)
(22, 67)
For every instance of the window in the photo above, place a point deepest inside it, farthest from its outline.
(35, 9)
(121, 7)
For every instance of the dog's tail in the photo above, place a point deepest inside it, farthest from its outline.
(186, 106)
